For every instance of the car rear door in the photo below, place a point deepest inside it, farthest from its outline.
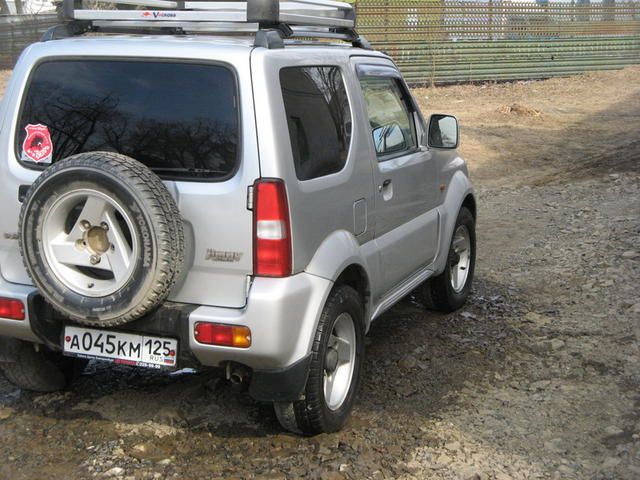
(199, 138)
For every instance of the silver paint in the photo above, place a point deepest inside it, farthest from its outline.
(393, 231)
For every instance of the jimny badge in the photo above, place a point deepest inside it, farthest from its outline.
(37, 146)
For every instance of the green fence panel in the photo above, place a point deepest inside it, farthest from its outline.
(435, 41)
(18, 31)
(442, 41)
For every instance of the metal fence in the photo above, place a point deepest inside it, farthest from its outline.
(18, 31)
(440, 41)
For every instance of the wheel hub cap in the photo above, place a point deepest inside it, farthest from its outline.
(460, 258)
(331, 361)
(339, 362)
(96, 240)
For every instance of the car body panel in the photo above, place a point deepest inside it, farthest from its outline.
(405, 207)
(338, 221)
(215, 214)
(282, 314)
(323, 205)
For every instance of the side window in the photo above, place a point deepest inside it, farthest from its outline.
(318, 117)
(391, 120)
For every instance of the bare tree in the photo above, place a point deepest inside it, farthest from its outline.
(4, 7)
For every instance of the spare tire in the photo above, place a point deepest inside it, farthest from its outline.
(101, 237)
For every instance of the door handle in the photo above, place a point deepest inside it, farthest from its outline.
(384, 185)
(386, 189)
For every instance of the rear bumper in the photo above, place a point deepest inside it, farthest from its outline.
(282, 314)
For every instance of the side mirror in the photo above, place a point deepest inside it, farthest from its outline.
(389, 138)
(443, 131)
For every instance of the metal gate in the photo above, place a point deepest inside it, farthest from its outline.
(18, 31)
(440, 41)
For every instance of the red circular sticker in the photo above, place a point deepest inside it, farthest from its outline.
(37, 146)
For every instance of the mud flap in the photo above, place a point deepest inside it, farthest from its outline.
(282, 385)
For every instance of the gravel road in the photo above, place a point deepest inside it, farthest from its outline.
(537, 377)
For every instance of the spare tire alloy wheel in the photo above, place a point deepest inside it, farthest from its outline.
(97, 256)
(101, 237)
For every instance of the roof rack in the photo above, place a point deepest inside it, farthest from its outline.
(271, 21)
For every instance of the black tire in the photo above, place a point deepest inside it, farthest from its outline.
(311, 414)
(156, 224)
(41, 370)
(438, 293)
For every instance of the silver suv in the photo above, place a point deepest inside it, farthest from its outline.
(247, 203)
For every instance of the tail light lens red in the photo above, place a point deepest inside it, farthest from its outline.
(271, 229)
(12, 309)
(224, 335)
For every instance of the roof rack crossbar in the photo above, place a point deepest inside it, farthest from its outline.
(280, 19)
(133, 26)
(264, 12)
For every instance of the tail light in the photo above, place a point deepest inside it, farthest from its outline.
(221, 334)
(12, 309)
(271, 229)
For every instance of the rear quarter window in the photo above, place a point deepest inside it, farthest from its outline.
(179, 119)
(318, 118)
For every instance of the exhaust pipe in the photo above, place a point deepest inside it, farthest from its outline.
(237, 374)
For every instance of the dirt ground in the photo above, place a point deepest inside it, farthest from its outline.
(537, 377)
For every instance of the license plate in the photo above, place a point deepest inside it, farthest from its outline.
(119, 347)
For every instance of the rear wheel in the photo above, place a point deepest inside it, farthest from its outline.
(448, 291)
(40, 370)
(334, 374)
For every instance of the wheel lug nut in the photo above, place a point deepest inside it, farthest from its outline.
(85, 225)
(104, 226)
(95, 259)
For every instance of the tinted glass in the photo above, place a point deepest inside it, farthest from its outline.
(179, 119)
(319, 119)
(390, 119)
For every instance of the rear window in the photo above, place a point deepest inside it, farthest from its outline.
(179, 119)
